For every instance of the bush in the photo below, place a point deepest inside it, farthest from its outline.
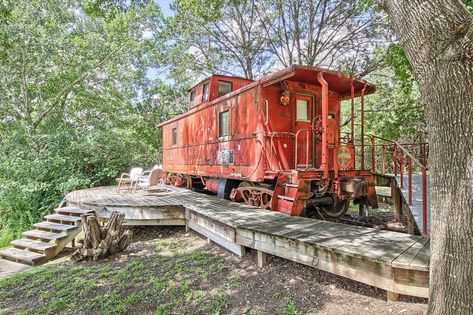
(37, 171)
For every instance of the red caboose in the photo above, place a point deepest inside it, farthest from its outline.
(274, 143)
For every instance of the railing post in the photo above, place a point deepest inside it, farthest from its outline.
(363, 127)
(352, 113)
(401, 168)
(410, 181)
(295, 155)
(383, 159)
(307, 149)
(395, 160)
(424, 201)
(373, 153)
(424, 158)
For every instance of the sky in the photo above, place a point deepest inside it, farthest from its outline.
(164, 4)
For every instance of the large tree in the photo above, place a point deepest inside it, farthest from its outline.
(438, 39)
(217, 36)
(321, 32)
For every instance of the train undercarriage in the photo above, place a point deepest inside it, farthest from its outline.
(294, 193)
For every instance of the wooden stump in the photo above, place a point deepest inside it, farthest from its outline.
(100, 242)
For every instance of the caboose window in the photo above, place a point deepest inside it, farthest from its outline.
(302, 110)
(223, 124)
(205, 92)
(224, 87)
(174, 136)
(193, 95)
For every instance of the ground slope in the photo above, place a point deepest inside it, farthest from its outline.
(167, 271)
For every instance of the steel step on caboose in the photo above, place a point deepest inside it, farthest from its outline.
(274, 143)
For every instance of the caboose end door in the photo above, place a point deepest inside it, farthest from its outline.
(304, 106)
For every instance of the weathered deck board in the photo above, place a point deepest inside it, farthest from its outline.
(405, 259)
(351, 251)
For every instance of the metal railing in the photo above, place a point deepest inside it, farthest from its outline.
(400, 155)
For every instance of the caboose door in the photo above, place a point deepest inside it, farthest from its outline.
(303, 129)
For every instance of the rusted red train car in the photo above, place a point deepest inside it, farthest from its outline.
(273, 143)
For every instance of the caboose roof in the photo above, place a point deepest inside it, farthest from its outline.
(338, 81)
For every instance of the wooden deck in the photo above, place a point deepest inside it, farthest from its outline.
(395, 262)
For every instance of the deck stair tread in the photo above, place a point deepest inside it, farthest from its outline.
(38, 234)
(63, 218)
(54, 226)
(72, 210)
(33, 244)
(21, 255)
(291, 185)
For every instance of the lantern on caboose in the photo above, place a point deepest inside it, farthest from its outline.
(285, 97)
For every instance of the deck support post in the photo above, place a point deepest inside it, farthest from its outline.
(261, 258)
(392, 296)
(396, 198)
(410, 223)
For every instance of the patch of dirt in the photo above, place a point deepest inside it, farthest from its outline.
(168, 271)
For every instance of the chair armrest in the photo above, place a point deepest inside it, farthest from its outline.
(123, 175)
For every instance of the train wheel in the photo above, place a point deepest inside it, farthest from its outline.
(179, 180)
(338, 208)
(256, 196)
(236, 194)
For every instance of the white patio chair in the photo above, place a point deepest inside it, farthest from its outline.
(150, 178)
(129, 179)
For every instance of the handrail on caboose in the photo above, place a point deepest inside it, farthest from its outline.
(400, 148)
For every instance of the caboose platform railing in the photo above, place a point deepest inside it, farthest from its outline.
(400, 153)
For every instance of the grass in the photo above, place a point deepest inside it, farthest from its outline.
(157, 284)
(291, 308)
(174, 275)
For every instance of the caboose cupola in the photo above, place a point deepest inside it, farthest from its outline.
(214, 87)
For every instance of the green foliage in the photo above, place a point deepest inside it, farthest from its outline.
(397, 59)
(469, 5)
(395, 111)
(75, 100)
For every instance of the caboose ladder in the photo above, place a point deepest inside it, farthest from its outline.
(49, 238)
(292, 202)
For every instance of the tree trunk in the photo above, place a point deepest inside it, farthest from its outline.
(102, 242)
(438, 38)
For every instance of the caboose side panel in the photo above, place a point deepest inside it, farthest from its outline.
(217, 140)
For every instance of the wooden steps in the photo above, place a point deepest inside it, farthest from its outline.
(22, 256)
(72, 211)
(53, 227)
(62, 218)
(43, 235)
(49, 238)
(32, 245)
